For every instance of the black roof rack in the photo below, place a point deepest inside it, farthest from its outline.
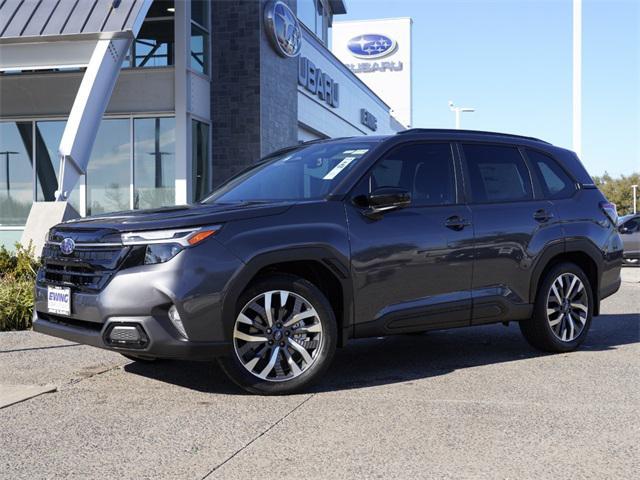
(475, 132)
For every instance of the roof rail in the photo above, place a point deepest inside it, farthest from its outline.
(476, 132)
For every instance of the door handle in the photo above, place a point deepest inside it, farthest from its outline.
(456, 223)
(542, 216)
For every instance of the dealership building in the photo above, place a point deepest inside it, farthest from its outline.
(205, 89)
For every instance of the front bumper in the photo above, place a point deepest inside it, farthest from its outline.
(160, 342)
(193, 281)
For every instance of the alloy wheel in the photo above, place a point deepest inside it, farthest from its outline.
(567, 307)
(277, 335)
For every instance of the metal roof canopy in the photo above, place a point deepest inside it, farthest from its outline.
(66, 31)
(96, 34)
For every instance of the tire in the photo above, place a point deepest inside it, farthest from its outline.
(139, 358)
(277, 365)
(549, 329)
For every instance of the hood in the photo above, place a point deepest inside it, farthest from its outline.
(97, 227)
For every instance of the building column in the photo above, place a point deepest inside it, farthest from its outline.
(254, 108)
(182, 111)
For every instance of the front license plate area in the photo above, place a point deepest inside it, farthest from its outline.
(59, 300)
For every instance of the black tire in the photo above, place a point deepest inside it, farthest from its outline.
(248, 381)
(538, 331)
(139, 358)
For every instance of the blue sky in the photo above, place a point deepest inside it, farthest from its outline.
(511, 60)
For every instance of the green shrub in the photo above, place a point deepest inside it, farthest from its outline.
(17, 277)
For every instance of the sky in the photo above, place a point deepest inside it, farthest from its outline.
(512, 61)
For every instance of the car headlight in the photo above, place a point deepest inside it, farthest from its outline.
(161, 252)
(163, 245)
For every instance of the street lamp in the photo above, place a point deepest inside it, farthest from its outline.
(6, 154)
(458, 111)
(635, 188)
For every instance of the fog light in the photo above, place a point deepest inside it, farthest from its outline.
(126, 335)
(174, 316)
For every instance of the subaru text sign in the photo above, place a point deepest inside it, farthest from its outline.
(371, 46)
(378, 52)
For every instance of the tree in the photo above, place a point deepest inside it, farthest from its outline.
(618, 190)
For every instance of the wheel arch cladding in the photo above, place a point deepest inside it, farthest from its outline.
(317, 265)
(582, 253)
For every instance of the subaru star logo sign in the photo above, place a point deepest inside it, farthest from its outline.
(67, 246)
(284, 29)
(371, 45)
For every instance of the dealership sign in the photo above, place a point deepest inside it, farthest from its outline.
(378, 52)
(284, 29)
(317, 82)
(371, 46)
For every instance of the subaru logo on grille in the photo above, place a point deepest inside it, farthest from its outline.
(371, 45)
(284, 29)
(67, 246)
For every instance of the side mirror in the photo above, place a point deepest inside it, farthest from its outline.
(383, 200)
(623, 229)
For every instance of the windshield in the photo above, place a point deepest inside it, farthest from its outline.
(307, 173)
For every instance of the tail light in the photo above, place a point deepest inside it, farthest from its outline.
(610, 210)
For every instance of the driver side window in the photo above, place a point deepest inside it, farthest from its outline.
(424, 170)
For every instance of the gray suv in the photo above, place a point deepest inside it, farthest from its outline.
(338, 239)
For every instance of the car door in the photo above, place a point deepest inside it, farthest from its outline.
(630, 233)
(411, 267)
(511, 228)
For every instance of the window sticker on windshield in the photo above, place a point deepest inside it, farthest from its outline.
(338, 168)
(362, 151)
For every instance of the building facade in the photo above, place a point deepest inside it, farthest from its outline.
(204, 92)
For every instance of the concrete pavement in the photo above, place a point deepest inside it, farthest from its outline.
(466, 403)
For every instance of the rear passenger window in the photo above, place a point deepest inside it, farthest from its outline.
(555, 182)
(497, 173)
(425, 170)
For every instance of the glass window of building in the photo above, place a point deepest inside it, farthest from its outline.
(314, 15)
(200, 160)
(200, 36)
(109, 173)
(154, 162)
(307, 13)
(200, 12)
(16, 172)
(154, 45)
(48, 137)
(199, 50)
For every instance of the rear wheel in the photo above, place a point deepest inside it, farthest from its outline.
(284, 336)
(563, 310)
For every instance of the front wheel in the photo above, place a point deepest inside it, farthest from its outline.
(563, 310)
(284, 336)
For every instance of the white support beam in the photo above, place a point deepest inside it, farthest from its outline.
(87, 110)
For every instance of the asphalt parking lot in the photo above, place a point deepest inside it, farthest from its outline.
(467, 403)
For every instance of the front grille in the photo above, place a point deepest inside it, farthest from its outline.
(88, 268)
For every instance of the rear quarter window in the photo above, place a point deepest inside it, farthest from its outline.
(554, 180)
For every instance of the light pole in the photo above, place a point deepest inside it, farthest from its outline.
(635, 188)
(6, 154)
(458, 111)
(577, 77)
